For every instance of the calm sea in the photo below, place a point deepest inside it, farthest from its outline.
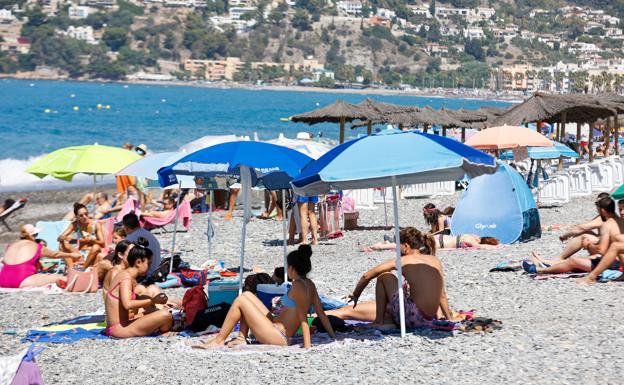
(37, 117)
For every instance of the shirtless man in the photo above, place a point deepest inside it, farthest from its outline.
(576, 235)
(425, 296)
(610, 229)
(168, 207)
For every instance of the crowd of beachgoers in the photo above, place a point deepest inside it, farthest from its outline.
(116, 237)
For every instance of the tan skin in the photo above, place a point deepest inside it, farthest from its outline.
(103, 265)
(23, 250)
(449, 242)
(92, 244)
(118, 311)
(610, 231)
(577, 235)
(167, 208)
(254, 316)
(426, 281)
(615, 251)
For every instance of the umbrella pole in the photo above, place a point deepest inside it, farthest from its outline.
(591, 141)
(463, 135)
(175, 226)
(616, 135)
(369, 129)
(397, 241)
(578, 141)
(284, 216)
(94, 192)
(208, 232)
(385, 206)
(342, 129)
(245, 181)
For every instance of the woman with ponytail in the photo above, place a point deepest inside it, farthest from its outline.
(121, 299)
(268, 329)
(423, 288)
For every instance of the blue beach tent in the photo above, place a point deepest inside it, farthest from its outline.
(499, 205)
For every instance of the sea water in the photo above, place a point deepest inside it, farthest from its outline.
(37, 117)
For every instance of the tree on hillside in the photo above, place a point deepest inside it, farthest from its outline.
(301, 20)
(115, 38)
(474, 48)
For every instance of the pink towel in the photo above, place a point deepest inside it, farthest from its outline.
(131, 206)
(184, 213)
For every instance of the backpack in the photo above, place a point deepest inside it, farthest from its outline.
(161, 272)
(212, 315)
(190, 278)
(252, 281)
(195, 300)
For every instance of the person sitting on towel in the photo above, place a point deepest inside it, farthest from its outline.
(121, 299)
(21, 261)
(611, 227)
(83, 234)
(424, 294)
(276, 330)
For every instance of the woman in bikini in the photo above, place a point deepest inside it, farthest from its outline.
(440, 223)
(424, 294)
(83, 234)
(121, 299)
(21, 264)
(463, 241)
(276, 330)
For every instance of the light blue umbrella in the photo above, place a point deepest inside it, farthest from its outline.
(238, 158)
(148, 167)
(558, 150)
(389, 159)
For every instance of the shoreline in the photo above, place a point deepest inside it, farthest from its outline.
(278, 88)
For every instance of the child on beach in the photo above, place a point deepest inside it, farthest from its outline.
(121, 299)
(276, 330)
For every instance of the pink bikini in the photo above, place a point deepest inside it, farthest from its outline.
(110, 329)
(12, 276)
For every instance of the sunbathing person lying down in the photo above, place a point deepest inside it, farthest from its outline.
(464, 241)
(168, 207)
(424, 294)
(610, 230)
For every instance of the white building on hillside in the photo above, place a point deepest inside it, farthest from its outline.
(350, 7)
(385, 13)
(6, 16)
(474, 33)
(420, 10)
(447, 12)
(237, 12)
(76, 12)
(81, 33)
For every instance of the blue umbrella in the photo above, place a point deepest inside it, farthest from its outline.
(389, 159)
(558, 150)
(238, 158)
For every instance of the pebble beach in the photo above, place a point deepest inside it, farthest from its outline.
(554, 331)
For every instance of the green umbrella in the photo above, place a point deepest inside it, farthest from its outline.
(91, 160)
(619, 193)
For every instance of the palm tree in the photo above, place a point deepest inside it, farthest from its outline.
(618, 82)
(545, 78)
(608, 80)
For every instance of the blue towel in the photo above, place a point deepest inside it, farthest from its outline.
(610, 275)
(64, 337)
(330, 303)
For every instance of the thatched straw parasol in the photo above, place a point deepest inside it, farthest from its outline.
(338, 112)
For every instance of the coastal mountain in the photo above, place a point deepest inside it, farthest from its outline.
(456, 43)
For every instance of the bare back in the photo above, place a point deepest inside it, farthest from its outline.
(424, 275)
(20, 252)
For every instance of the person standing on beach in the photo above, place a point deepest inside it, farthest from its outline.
(134, 231)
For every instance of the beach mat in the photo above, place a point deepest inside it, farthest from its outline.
(88, 326)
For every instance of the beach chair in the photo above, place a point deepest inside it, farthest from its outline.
(130, 206)
(444, 188)
(10, 211)
(554, 191)
(420, 190)
(580, 182)
(601, 176)
(330, 215)
(618, 170)
(184, 218)
(364, 199)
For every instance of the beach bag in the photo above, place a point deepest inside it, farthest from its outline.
(195, 300)
(161, 272)
(336, 323)
(212, 315)
(79, 281)
(190, 278)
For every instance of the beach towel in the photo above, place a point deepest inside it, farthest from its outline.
(545, 277)
(184, 213)
(47, 289)
(610, 275)
(130, 206)
(507, 266)
(49, 232)
(21, 369)
(70, 330)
